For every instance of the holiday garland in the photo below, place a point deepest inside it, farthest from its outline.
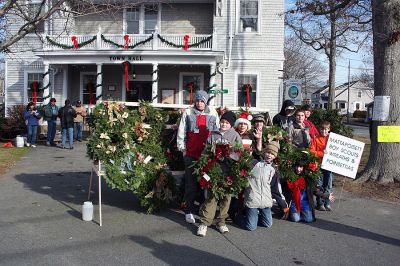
(124, 45)
(184, 45)
(127, 143)
(74, 46)
(224, 169)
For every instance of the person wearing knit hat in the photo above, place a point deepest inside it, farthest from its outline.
(196, 124)
(244, 118)
(201, 96)
(273, 147)
(230, 117)
(242, 126)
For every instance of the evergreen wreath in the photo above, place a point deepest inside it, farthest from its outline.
(224, 169)
(127, 143)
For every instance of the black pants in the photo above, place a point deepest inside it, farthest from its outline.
(191, 185)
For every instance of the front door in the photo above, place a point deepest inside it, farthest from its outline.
(139, 90)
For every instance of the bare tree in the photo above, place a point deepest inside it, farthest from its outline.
(383, 164)
(30, 15)
(331, 26)
(301, 62)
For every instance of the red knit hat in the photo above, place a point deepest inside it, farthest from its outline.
(244, 118)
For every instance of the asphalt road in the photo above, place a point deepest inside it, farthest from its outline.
(40, 224)
(362, 131)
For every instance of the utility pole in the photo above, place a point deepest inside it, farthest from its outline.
(348, 96)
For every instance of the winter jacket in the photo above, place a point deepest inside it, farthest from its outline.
(50, 112)
(80, 114)
(318, 146)
(67, 115)
(258, 193)
(32, 118)
(313, 130)
(229, 136)
(194, 129)
(281, 119)
(299, 135)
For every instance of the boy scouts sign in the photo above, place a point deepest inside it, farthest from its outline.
(343, 155)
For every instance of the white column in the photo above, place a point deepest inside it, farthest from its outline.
(154, 90)
(46, 82)
(98, 39)
(99, 89)
(212, 83)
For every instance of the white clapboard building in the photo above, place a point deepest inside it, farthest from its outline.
(157, 51)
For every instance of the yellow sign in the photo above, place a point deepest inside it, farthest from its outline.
(388, 133)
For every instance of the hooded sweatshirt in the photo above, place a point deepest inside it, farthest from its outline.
(281, 119)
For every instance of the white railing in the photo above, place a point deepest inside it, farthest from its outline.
(178, 39)
(153, 44)
(133, 39)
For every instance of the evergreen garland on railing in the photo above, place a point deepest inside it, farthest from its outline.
(70, 46)
(129, 46)
(182, 45)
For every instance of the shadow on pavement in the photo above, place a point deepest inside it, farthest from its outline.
(71, 188)
(173, 254)
(354, 231)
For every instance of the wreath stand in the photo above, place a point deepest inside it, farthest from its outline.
(96, 168)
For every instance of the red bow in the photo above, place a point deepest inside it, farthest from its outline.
(75, 41)
(126, 67)
(190, 87)
(34, 85)
(126, 38)
(186, 39)
(247, 86)
(296, 187)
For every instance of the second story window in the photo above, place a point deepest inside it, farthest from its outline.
(132, 20)
(35, 9)
(248, 21)
(150, 18)
(359, 94)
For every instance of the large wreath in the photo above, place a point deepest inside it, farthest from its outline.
(127, 142)
(224, 169)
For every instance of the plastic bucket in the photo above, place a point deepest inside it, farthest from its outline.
(19, 141)
(87, 211)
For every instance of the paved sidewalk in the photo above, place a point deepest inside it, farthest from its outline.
(40, 224)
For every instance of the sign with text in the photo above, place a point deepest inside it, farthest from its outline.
(388, 133)
(293, 91)
(381, 108)
(343, 155)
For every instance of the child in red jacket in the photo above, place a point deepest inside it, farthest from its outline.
(318, 147)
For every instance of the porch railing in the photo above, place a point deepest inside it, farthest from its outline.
(140, 41)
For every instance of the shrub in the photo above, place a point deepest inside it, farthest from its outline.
(360, 114)
(14, 124)
(336, 120)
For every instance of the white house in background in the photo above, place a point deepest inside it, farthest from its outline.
(230, 44)
(361, 94)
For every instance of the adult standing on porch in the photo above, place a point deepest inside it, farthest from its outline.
(67, 115)
(195, 126)
(78, 120)
(50, 112)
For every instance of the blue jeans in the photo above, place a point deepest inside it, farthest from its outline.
(32, 132)
(305, 214)
(51, 131)
(70, 135)
(253, 217)
(325, 184)
(78, 130)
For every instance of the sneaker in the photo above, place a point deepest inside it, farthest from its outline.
(28, 144)
(202, 230)
(328, 208)
(33, 146)
(190, 218)
(223, 229)
(321, 208)
(47, 143)
(71, 148)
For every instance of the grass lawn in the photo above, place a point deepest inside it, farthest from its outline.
(9, 156)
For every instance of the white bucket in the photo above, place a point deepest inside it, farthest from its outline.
(19, 141)
(87, 211)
